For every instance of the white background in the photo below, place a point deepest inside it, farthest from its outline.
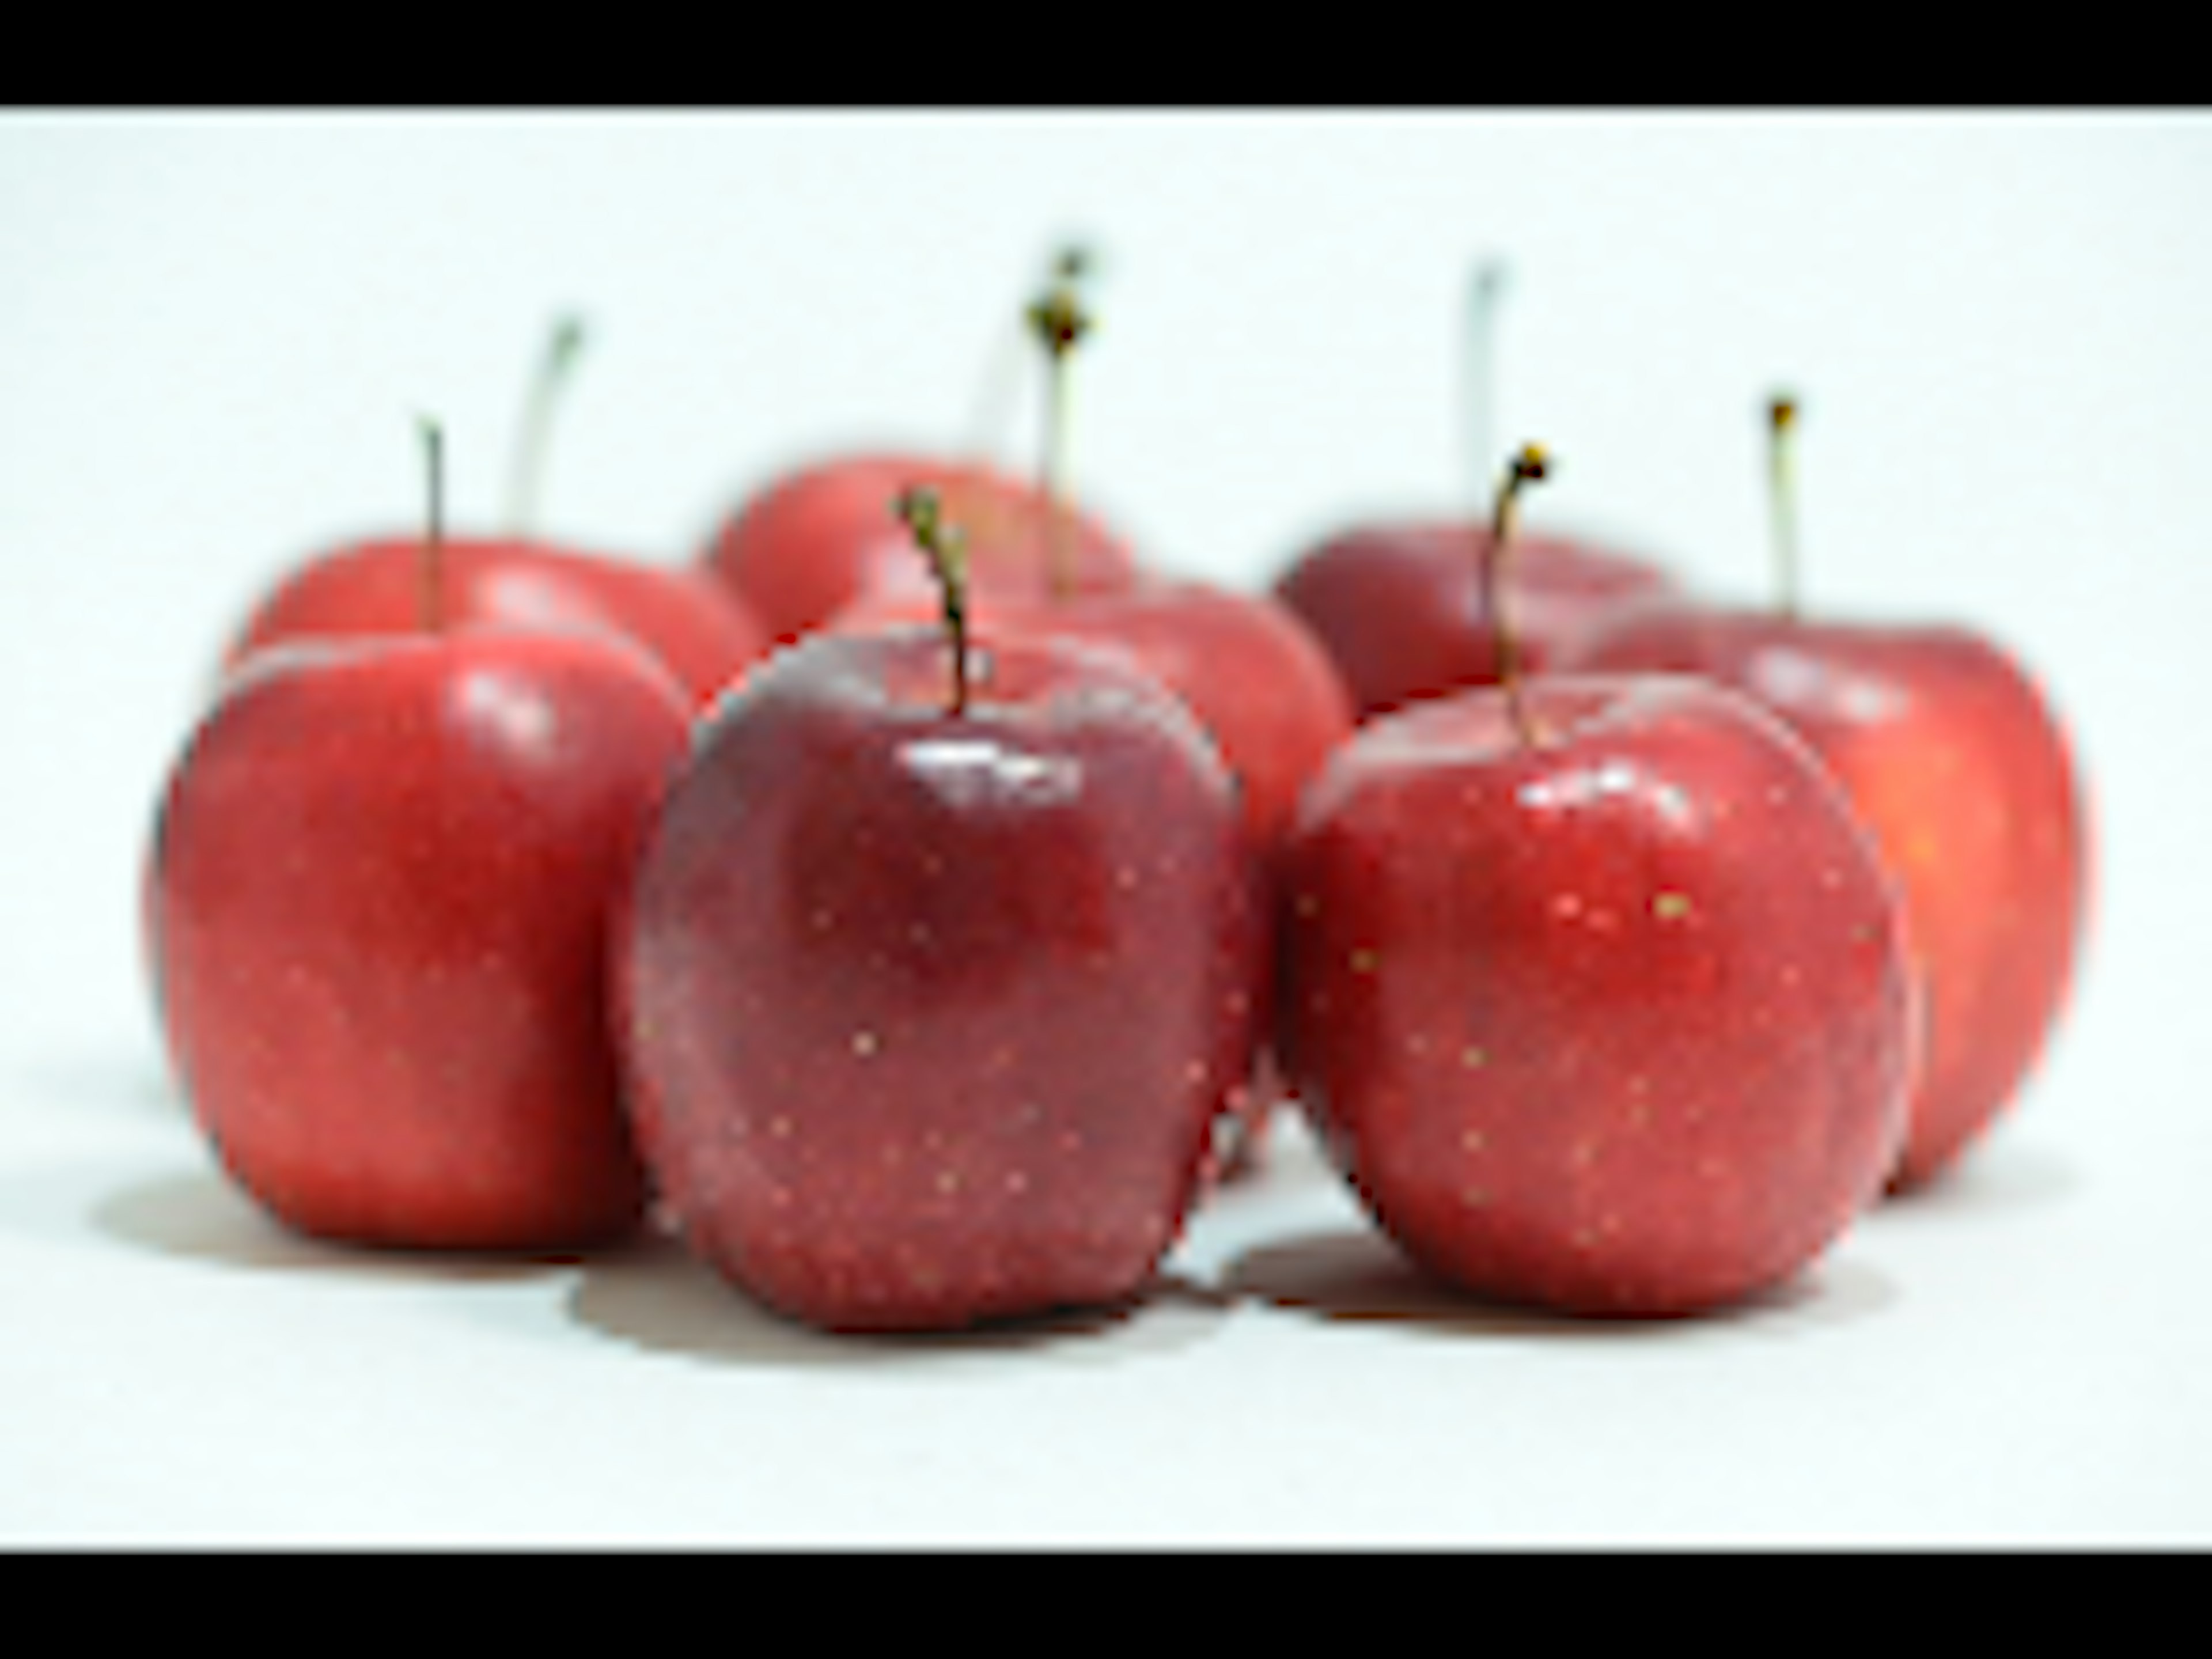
(215, 332)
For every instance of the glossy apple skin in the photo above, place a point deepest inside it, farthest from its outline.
(1258, 681)
(1399, 609)
(689, 622)
(820, 533)
(1964, 775)
(927, 1016)
(378, 893)
(1616, 1022)
(1251, 670)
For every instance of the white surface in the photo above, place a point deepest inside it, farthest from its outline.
(214, 332)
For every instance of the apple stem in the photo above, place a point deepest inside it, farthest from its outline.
(946, 548)
(1059, 320)
(995, 392)
(1527, 466)
(562, 347)
(1782, 500)
(430, 563)
(1478, 375)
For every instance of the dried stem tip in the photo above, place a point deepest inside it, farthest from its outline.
(1531, 465)
(1057, 316)
(1073, 263)
(564, 341)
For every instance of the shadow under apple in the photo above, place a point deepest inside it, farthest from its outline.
(652, 1295)
(198, 1215)
(1359, 1277)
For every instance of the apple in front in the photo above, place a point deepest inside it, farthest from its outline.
(1242, 664)
(1600, 1007)
(378, 894)
(928, 1004)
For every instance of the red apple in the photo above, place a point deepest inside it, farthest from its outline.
(1961, 769)
(1245, 665)
(1400, 609)
(1242, 664)
(1962, 773)
(1399, 605)
(928, 1000)
(820, 534)
(1595, 986)
(1608, 1013)
(378, 892)
(690, 623)
(376, 906)
(698, 630)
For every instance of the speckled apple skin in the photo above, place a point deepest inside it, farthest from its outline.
(1615, 1022)
(928, 1015)
(1961, 770)
(377, 897)
(1257, 679)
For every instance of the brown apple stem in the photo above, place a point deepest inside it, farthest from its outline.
(1059, 321)
(1782, 500)
(995, 390)
(1479, 370)
(1527, 466)
(562, 347)
(430, 563)
(946, 548)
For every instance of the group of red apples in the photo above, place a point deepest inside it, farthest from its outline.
(918, 900)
